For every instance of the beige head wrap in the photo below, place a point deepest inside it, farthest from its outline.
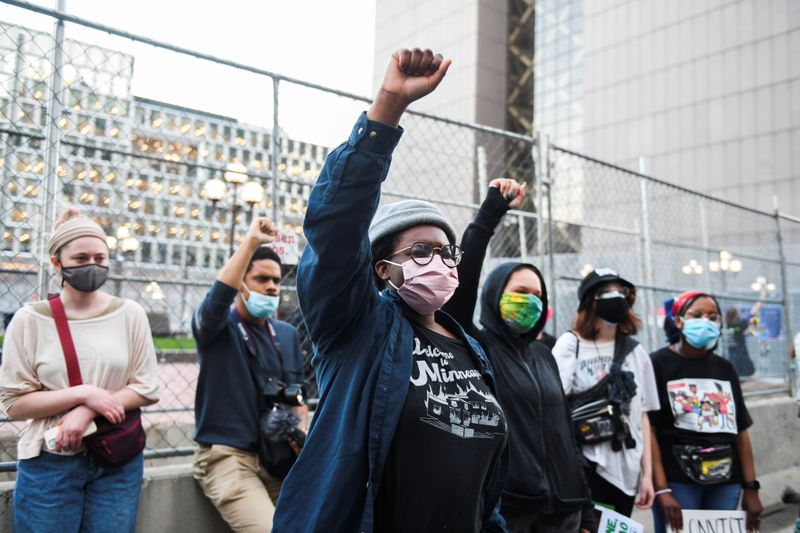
(72, 229)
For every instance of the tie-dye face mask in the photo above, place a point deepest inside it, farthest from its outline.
(520, 312)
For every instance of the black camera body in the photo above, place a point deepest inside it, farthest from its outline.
(277, 392)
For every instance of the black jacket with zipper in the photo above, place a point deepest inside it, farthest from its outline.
(545, 464)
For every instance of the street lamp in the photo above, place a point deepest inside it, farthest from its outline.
(762, 286)
(693, 267)
(251, 193)
(726, 263)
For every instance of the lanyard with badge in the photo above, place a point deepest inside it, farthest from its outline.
(250, 343)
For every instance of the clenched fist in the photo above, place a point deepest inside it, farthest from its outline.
(262, 231)
(410, 75)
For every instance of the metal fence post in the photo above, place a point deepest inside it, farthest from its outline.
(53, 143)
(482, 182)
(787, 318)
(544, 179)
(551, 276)
(649, 309)
(541, 157)
(706, 243)
(275, 152)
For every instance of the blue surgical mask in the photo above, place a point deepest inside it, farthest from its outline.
(261, 305)
(701, 332)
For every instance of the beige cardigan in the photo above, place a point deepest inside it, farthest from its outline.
(115, 350)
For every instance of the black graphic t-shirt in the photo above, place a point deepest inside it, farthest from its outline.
(450, 433)
(701, 405)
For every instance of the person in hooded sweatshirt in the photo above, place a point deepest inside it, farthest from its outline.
(545, 490)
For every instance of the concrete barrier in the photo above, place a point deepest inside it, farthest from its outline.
(171, 500)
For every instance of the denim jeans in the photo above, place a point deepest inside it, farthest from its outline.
(695, 496)
(72, 494)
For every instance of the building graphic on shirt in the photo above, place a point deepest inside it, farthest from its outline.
(703, 405)
(467, 413)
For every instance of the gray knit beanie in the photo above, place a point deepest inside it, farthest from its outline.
(400, 216)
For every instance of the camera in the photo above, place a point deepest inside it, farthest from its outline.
(278, 392)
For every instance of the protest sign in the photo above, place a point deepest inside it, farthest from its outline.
(613, 522)
(698, 521)
(287, 247)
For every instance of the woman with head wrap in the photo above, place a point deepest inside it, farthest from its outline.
(702, 456)
(57, 482)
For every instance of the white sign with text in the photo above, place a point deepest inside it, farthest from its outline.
(287, 247)
(698, 521)
(613, 522)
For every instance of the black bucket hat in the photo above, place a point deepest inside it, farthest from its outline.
(597, 277)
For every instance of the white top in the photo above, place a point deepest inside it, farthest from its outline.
(797, 346)
(581, 372)
(797, 362)
(115, 350)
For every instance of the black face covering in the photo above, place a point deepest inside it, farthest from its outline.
(612, 310)
(85, 278)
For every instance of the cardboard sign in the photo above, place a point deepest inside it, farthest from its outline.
(697, 521)
(287, 247)
(613, 522)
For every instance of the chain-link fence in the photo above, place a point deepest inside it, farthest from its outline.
(175, 187)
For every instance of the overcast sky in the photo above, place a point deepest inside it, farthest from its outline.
(323, 41)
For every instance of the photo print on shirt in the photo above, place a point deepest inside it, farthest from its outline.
(703, 405)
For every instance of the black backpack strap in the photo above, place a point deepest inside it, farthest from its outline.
(623, 346)
(577, 342)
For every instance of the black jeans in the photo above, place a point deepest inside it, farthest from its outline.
(521, 520)
(606, 494)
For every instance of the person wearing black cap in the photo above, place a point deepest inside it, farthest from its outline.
(408, 434)
(546, 490)
(599, 356)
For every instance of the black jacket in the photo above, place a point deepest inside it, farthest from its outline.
(545, 465)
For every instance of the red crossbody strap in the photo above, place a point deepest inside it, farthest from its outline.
(73, 370)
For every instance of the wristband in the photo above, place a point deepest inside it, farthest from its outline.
(663, 491)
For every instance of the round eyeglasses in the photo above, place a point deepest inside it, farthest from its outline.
(422, 253)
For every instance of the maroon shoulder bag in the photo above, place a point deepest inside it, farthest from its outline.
(112, 445)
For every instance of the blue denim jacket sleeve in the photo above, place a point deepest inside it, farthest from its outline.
(334, 277)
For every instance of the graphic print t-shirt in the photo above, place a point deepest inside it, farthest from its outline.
(450, 433)
(701, 405)
(581, 365)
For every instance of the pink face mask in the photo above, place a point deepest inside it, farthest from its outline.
(426, 288)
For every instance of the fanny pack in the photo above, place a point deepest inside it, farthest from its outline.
(594, 422)
(705, 464)
(112, 445)
(599, 413)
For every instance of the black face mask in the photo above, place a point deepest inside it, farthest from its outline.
(85, 278)
(612, 310)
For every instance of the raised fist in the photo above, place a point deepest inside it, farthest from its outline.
(262, 230)
(410, 75)
(511, 190)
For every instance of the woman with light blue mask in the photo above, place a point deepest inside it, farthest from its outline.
(702, 456)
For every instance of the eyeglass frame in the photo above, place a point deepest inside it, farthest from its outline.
(434, 250)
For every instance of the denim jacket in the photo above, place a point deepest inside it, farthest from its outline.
(363, 350)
